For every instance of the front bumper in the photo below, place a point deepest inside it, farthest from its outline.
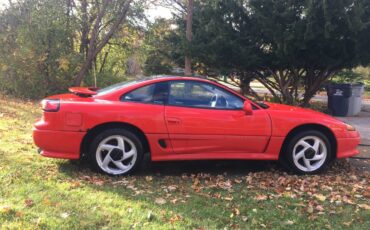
(347, 147)
(58, 144)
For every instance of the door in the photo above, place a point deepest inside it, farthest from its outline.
(203, 118)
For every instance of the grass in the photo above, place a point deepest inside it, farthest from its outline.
(42, 193)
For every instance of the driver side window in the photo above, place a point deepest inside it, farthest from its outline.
(202, 95)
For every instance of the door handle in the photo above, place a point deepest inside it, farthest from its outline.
(173, 121)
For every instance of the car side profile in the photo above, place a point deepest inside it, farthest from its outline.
(185, 118)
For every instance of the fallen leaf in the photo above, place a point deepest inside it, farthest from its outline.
(289, 222)
(75, 184)
(236, 211)
(172, 188)
(98, 182)
(64, 215)
(19, 214)
(366, 193)
(319, 208)
(260, 197)
(160, 201)
(175, 218)
(364, 206)
(5, 209)
(46, 201)
(217, 195)
(28, 202)
(347, 223)
(148, 178)
(320, 197)
(228, 198)
(238, 181)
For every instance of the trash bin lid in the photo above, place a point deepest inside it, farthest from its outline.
(341, 90)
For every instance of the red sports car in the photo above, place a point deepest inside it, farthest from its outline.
(184, 118)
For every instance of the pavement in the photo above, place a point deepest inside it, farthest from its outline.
(362, 124)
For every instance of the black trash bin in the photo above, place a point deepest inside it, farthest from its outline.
(338, 98)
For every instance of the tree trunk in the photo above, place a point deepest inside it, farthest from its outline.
(85, 29)
(68, 23)
(95, 46)
(313, 82)
(189, 35)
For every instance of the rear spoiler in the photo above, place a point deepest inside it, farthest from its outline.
(83, 91)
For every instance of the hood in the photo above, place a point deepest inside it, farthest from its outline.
(293, 109)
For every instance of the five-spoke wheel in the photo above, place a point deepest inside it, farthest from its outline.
(116, 152)
(308, 152)
(120, 151)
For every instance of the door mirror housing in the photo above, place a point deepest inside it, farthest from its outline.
(247, 107)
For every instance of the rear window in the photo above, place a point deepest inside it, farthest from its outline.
(117, 86)
(142, 94)
(156, 93)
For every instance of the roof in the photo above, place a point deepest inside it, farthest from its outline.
(172, 76)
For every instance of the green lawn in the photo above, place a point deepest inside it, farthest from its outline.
(38, 192)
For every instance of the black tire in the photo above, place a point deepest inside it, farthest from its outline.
(128, 135)
(287, 154)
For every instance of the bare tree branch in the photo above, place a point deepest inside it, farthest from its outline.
(95, 46)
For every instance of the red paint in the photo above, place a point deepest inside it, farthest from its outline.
(191, 133)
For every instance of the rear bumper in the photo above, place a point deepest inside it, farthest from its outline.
(58, 144)
(347, 147)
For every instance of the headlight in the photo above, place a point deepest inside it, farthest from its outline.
(350, 127)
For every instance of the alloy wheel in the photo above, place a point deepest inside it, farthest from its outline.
(309, 153)
(116, 154)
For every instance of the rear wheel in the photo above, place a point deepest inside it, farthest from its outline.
(308, 152)
(116, 152)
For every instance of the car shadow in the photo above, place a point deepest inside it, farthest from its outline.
(231, 167)
(178, 168)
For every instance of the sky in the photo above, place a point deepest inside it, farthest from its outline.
(154, 12)
(2, 2)
(157, 12)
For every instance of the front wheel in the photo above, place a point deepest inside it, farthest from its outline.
(116, 152)
(308, 152)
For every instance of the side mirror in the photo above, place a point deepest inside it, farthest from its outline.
(247, 107)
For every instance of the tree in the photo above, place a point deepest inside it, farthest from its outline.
(189, 35)
(291, 47)
(158, 58)
(36, 55)
(45, 44)
(119, 10)
(183, 11)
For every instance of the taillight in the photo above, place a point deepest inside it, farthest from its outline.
(50, 105)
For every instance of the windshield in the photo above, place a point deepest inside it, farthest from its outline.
(259, 103)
